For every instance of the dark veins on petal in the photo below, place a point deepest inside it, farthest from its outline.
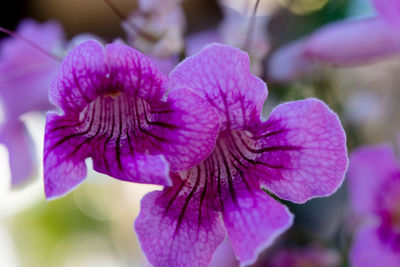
(217, 178)
(120, 121)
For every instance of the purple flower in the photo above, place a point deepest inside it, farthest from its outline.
(115, 111)
(305, 256)
(25, 75)
(297, 154)
(374, 179)
(233, 30)
(310, 256)
(158, 5)
(157, 29)
(342, 43)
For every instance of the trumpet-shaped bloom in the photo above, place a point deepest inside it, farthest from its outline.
(297, 154)
(342, 43)
(114, 111)
(374, 179)
(25, 75)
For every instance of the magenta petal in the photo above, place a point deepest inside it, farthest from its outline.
(353, 42)
(368, 250)
(116, 112)
(20, 148)
(390, 11)
(173, 234)
(221, 74)
(90, 71)
(135, 167)
(253, 222)
(303, 150)
(369, 168)
(80, 78)
(189, 129)
(69, 141)
(63, 167)
(133, 72)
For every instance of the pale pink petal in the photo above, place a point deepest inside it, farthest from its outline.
(353, 42)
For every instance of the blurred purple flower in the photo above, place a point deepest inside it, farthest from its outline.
(390, 11)
(233, 31)
(311, 256)
(304, 256)
(25, 75)
(343, 43)
(297, 154)
(114, 111)
(374, 179)
(156, 29)
(158, 5)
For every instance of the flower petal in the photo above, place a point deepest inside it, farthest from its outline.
(80, 77)
(21, 152)
(172, 232)
(67, 147)
(303, 148)
(351, 42)
(90, 71)
(253, 222)
(368, 250)
(61, 172)
(25, 72)
(133, 72)
(122, 120)
(189, 129)
(224, 256)
(221, 74)
(369, 168)
(16, 52)
(389, 10)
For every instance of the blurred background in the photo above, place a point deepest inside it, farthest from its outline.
(93, 225)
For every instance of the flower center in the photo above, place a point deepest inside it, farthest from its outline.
(115, 117)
